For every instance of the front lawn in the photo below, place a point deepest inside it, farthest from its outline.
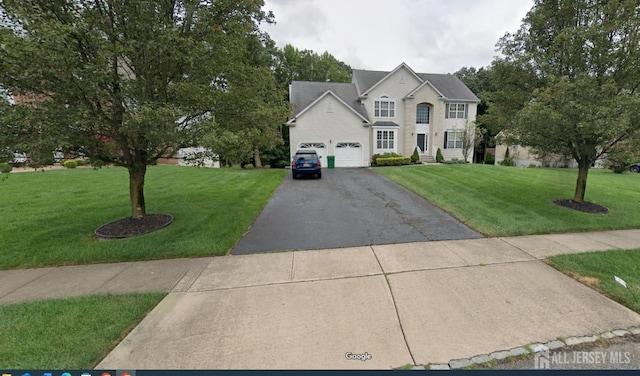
(503, 201)
(74, 333)
(48, 218)
(597, 270)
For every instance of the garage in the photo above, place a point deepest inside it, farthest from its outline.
(348, 154)
(320, 148)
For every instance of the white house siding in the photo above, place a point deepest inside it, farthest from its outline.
(396, 87)
(455, 124)
(341, 125)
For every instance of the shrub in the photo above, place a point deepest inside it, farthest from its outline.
(96, 163)
(374, 158)
(47, 160)
(439, 157)
(81, 162)
(489, 159)
(71, 163)
(393, 161)
(507, 161)
(415, 157)
(618, 169)
(5, 168)
(248, 166)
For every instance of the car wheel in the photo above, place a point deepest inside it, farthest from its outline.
(319, 175)
(635, 169)
(294, 176)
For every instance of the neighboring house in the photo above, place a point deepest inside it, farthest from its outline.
(380, 112)
(524, 156)
(192, 156)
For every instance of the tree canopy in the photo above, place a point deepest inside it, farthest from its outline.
(293, 64)
(480, 82)
(568, 81)
(124, 82)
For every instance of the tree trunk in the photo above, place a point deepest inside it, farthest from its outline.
(136, 191)
(256, 157)
(581, 183)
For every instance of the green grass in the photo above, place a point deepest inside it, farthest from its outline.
(49, 218)
(73, 333)
(503, 201)
(597, 270)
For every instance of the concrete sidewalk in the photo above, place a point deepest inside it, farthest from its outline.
(414, 303)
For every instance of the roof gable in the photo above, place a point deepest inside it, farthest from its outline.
(305, 95)
(366, 81)
(426, 83)
(446, 85)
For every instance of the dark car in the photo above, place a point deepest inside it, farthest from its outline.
(306, 162)
(635, 167)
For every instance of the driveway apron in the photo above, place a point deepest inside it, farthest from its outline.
(347, 208)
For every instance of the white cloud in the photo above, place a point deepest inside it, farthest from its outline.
(430, 35)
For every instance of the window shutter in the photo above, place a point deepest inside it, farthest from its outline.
(445, 136)
(446, 112)
(466, 111)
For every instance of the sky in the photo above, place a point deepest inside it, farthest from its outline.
(431, 36)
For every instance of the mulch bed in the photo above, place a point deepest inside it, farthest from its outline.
(128, 227)
(586, 207)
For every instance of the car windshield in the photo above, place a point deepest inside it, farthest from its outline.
(298, 157)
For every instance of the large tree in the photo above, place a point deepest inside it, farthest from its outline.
(568, 82)
(124, 82)
(252, 113)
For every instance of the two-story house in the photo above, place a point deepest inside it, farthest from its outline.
(380, 112)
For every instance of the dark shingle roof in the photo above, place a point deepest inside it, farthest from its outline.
(303, 93)
(365, 79)
(385, 124)
(447, 84)
(450, 86)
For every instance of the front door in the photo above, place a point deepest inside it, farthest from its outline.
(422, 142)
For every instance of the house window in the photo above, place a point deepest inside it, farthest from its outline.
(457, 111)
(453, 139)
(385, 140)
(384, 107)
(422, 114)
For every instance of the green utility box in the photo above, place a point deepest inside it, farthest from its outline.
(331, 161)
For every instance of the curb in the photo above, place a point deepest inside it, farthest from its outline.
(531, 349)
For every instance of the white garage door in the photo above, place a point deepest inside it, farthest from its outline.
(348, 154)
(320, 148)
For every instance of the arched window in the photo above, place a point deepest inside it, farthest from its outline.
(384, 107)
(422, 113)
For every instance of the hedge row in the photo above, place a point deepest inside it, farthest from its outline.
(393, 161)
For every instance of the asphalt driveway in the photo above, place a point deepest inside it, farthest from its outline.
(347, 208)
